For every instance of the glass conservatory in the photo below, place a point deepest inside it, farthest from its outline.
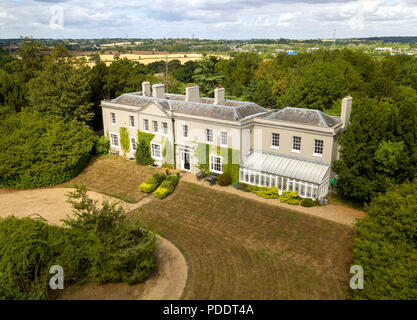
(310, 179)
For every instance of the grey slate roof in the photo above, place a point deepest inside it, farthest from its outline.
(230, 110)
(304, 116)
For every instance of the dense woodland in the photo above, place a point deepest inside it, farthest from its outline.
(379, 149)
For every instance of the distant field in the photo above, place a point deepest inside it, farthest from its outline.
(242, 249)
(147, 58)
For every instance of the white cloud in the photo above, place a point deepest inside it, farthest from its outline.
(210, 18)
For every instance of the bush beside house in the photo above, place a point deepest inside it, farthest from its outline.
(265, 192)
(143, 153)
(306, 202)
(290, 197)
(102, 146)
(224, 179)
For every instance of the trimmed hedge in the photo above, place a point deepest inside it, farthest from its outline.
(265, 192)
(42, 150)
(150, 184)
(173, 179)
(224, 179)
(290, 197)
(164, 190)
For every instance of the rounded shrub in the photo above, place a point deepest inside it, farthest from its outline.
(150, 184)
(102, 146)
(41, 150)
(224, 179)
(165, 189)
(306, 202)
(290, 197)
(265, 192)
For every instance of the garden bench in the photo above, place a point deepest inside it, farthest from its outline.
(212, 179)
(199, 175)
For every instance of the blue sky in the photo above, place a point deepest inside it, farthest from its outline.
(213, 19)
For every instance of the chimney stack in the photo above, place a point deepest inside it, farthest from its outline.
(192, 93)
(219, 94)
(345, 112)
(146, 89)
(158, 91)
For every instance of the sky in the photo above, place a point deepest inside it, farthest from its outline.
(208, 19)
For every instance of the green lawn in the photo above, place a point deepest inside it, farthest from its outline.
(242, 249)
(114, 176)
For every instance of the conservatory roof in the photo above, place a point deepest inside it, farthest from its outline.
(308, 171)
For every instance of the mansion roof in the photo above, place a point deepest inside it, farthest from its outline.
(304, 116)
(230, 110)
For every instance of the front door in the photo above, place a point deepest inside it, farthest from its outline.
(185, 160)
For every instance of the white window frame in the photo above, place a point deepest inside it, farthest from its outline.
(272, 140)
(183, 129)
(155, 126)
(221, 138)
(207, 136)
(146, 125)
(160, 151)
(111, 140)
(165, 128)
(132, 121)
(293, 144)
(212, 163)
(133, 146)
(315, 148)
(113, 118)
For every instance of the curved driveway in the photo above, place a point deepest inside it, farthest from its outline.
(50, 203)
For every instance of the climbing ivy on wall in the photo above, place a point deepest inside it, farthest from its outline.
(124, 139)
(143, 152)
(229, 155)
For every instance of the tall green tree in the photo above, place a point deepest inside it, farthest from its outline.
(358, 177)
(385, 245)
(62, 88)
(206, 76)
